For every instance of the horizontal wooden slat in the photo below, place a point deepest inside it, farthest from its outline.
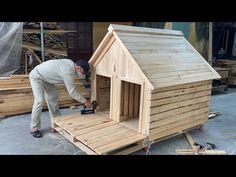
(178, 129)
(125, 35)
(173, 125)
(119, 144)
(173, 119)
(174, 74)
(143, 46)
(164, 108)
(174, 99)
(150, 39)
(110, 138)
(160, 51)
(171, 68)
(182, 86)
(177, 111)
(93, 128)
(177, 81)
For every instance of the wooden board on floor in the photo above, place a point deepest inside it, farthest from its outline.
(98, 133)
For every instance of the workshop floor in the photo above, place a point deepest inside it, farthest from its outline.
(221, 131)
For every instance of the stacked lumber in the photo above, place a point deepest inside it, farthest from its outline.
(49, 41)
(177, 108)
(36, 25)
(54, 44)
(16, 95)
(229, 64)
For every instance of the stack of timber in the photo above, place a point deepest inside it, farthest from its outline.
(36, 25)
(229, 64)
(218, 84)
(54, 44)
(16, 95)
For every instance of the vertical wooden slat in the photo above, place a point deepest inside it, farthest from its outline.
(111, 98)
(131, 100)
(136, 99)
(126, 100)
(93, 84)
(141, 108)
(114, 98)
(122, 101)
(98, 78)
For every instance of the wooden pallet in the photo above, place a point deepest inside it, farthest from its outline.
(97, 134)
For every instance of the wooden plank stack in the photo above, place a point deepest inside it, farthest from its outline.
(16, 95)
(229, 64)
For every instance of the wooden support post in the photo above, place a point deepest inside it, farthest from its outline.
(141, 108)
(126, 100)
(26, 62)
(122, 101)
(131, 100)
(136, 99)
(210, 43)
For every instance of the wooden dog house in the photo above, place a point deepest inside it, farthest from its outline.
(150, 81)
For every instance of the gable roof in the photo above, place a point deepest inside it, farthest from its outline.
(165, 57)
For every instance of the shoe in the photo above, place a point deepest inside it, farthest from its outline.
(36, 134)
(53, 130)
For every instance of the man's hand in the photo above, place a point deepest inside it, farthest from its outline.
(88, 104)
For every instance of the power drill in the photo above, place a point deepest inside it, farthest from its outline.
(89, 111)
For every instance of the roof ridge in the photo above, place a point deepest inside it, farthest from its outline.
(136, 29)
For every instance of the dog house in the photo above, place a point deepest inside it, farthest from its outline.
(149, 84)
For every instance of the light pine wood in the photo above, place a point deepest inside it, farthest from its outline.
(131, 100)
(174, 99)
(126, 100)
(174, 119)
(96, 132)
(122, 101)
(136, 99)
(16, 95)
(179, 129)
(175, 112)
(142, 30)
(159, 86)
(171, 106)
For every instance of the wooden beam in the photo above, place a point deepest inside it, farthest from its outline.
(131, 100)
(47, 50)
(136, 99)
(190, 140)
(133, 29)
(37, 31)
(122, 101)
(126, 100)
(210, 43)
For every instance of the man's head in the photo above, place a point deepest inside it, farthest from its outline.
(82, 66)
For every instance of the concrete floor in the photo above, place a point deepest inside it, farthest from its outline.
(221, 131)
